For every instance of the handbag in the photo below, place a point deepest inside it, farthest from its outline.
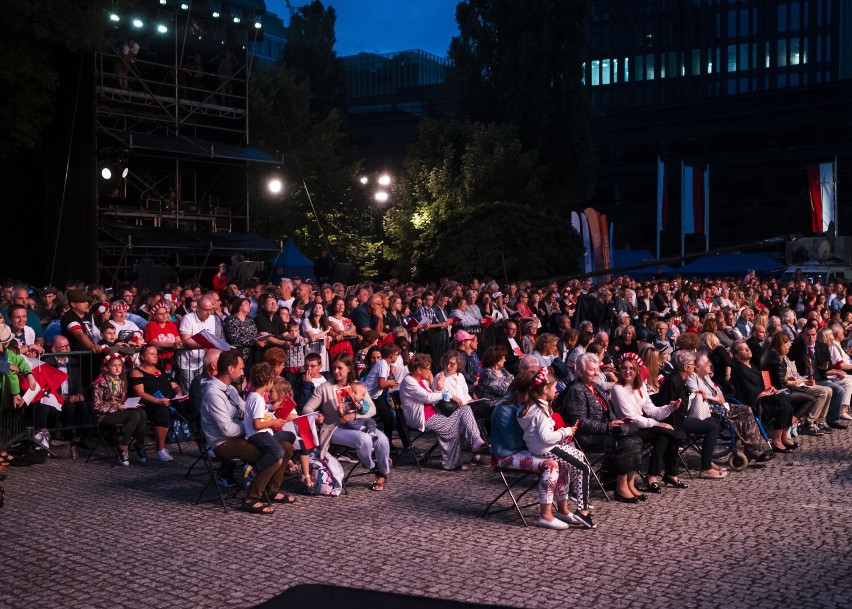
(446, 407)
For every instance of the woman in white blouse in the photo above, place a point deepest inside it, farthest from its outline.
(450, 379)
(631, 402)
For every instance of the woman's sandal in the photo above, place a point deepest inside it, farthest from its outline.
(283, 498)
(256, 507)
(677, 483)
(307, 481)
(378, 486)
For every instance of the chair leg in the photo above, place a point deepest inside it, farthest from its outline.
(597, 478)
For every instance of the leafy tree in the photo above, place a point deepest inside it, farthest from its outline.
(468, 204)
(313, 151)
(521, 63)
(310, 55)
(34, 35)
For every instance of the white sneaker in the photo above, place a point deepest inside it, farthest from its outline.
(568, 518)
(555, 524)
(163, 455)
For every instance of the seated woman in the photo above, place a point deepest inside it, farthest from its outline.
(451, 427)
(840, 361)
(325, 400)
(705, 394)
(545, 349)
(625, 342)
(720, 360)
(772, 407)
(156, 391)
(544, 440)
(450, 379)
(630, 401)
(674, 388)
(599, 429)
(110, 394)
(810, 401)
(341, 329)
(494, 379)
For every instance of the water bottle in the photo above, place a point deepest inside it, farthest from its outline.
(446, 395)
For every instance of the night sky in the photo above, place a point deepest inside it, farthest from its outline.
(384, 26)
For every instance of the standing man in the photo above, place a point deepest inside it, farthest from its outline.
(191, 361)
(78, 326)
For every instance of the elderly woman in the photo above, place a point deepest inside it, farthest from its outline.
(240, 330)
(452, 426)
(771, 405)
(705, 395)
(469, 365)
(840, 361)
(325, 400)
(599, 429)
(631, 402)
(494, 379)
(721, 360)
(450, 379)
(674, 388)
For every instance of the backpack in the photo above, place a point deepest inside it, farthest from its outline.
(327, 474)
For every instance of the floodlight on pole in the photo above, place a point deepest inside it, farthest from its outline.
(384, 180)
(114, 18)
(258, 25)
(184, 6)
(364, 180)
(106, 174)
(125, 171)
(381, 196)
(162, 29)
(138, 23)
(275, 186)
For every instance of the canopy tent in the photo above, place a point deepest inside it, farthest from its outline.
(290, 262)
(730, 265)
(626, 258)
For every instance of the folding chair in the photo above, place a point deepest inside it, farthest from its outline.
(595, 466)
(205, 455)
(518, 475)
(412, 434)
(107, 437)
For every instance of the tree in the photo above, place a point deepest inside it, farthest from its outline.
(34, 35)
(521, 63)
(310, 55)
(322, 205)
(468, 204)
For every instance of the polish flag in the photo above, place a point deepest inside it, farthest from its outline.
(208, 340)
(821, 185)
(306, 426)
(49, 381)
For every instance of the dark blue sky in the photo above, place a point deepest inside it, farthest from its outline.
(383, 26)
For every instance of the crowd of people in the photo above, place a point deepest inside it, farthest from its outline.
(537, 376)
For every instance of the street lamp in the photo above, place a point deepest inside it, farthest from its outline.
(384, 180)
(381, 196)
(275, 186)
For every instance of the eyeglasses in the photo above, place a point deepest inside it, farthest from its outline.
(210, 310)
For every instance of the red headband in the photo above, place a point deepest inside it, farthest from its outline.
(540, 377)
(111, 356)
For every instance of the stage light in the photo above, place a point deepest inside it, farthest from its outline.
(382, 196)
(163, 2)
(137, 23)
(384, 180)
(114, 18)
(216, 14)
(106, 174)
(364, 180)
(184, 6)
(124, 172)
(258, 25)
(236, 19)
(162, 29)
(275, 186)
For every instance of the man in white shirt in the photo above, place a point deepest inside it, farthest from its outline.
(191, 362)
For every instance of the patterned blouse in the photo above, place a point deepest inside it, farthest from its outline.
(241, 335)
(109, 393)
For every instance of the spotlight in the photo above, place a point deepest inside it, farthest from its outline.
(216, 14)
(163, 2)
(184, 6)
(106, 174)
(275, 186)
(236, 19)
(162, 29)
(124, 172)
(258, 24)
(114, 18)
(384, 180)
(382, 196)
(137, 23)
(364, 180)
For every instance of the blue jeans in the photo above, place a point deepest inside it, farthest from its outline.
(836, 400)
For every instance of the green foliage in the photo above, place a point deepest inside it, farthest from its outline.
(310, 55)
(33, 36)
(468, 204)
(521, 63)
(313, 151)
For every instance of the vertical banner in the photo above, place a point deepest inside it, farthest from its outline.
(694, 195)
(595, 237)
(588, 262)
(821, 186)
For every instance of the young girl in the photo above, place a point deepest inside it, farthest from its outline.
(278, 394)
(544, 440)
(110, 394)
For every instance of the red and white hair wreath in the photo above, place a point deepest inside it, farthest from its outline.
(540, 377)
(111, 356)
(640, 365)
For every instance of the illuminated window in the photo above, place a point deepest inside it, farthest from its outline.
(782, 54)
(732, 58)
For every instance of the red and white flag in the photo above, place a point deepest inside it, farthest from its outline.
(821, 185)
(50, 381)
(307, 428)
(208, 340)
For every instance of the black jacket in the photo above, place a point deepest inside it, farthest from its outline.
(773, 363)
(822, 355)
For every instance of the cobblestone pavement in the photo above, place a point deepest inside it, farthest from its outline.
(87, 535)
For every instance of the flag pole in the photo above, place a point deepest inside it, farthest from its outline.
(707, 208)
(834, 197)
(682, 215)
(660, 194)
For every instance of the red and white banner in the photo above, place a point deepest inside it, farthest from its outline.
(306, 426)
(208, 340)
(50, 381)
(821, 186)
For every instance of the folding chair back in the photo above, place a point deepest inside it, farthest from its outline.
(517, 477)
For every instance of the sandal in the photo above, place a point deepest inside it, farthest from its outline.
(283, 498)
(675, 482)
(378, 486)
(307, 481)
(256, 508)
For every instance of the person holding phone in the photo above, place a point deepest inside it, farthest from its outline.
(632, 403)
(544, 440)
